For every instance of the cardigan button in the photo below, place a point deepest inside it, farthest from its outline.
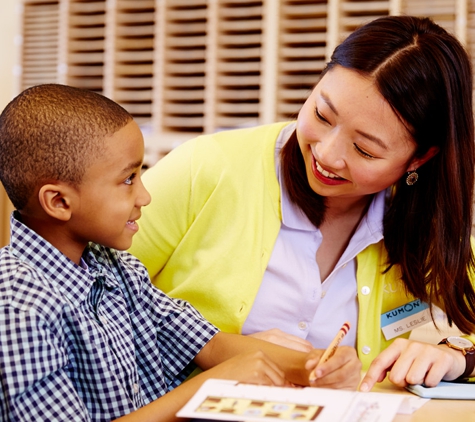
(366, 350)
(365, 290)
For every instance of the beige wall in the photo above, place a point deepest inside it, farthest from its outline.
(9, 25)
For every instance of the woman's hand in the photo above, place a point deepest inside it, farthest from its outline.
(411, 362)
(342, 370)
(277, 336)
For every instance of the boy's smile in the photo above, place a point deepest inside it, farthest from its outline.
(107, 204)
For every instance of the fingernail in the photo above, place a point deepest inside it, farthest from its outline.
(364, 387)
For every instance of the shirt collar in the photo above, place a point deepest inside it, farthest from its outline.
(72, 280)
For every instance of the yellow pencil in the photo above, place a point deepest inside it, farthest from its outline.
(331, 349)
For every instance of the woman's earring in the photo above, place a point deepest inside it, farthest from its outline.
(412, 177)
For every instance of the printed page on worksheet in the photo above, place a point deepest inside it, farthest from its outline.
(232, 401)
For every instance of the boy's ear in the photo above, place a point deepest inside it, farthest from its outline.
(55, 199)
(418, 162)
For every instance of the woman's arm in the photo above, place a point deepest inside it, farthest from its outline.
(281, 338)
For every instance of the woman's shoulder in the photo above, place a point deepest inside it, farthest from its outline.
(241, 141)
(237, 160)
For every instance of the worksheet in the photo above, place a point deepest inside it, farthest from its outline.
(232, 401)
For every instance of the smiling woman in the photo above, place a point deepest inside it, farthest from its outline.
(350, 137)
(361, 206)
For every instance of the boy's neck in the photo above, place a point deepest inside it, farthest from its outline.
(56, 233)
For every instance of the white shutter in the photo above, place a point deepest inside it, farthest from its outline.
(83, 26)
(186, 67)
(40, 43)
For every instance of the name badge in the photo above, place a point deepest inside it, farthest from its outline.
(404, 318)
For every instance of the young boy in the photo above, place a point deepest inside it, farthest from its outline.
(83, 333)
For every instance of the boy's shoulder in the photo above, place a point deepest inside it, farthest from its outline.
(25, 288)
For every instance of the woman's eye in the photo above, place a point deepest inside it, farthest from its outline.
(363, 153)
(319, 116)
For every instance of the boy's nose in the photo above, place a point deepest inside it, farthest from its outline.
(147, 198)
(144, 198)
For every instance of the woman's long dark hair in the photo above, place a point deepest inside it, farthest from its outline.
(425, 75)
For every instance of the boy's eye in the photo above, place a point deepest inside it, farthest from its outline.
(363, 153)
(129, 179)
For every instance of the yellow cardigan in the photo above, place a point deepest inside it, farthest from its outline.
(209, 232)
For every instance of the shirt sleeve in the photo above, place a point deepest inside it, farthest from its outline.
(181, 336)
(35, 386)
(170, 331)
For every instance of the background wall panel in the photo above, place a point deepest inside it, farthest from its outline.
(185, 67)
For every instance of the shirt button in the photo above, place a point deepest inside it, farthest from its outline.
(323, 294)
(136, 388)
(103, 320)
(366, 350)
(302, 325)
(344, 265)
(365, 290)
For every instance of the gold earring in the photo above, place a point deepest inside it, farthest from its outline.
(412, 177)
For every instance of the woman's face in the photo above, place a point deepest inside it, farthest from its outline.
(352, 142)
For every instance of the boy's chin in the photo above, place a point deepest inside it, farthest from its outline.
(121, 245)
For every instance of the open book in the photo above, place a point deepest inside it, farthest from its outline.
(232, 401)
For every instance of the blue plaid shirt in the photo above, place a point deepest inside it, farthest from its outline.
(81, 344)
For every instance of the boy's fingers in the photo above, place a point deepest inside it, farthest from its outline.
(268, 371)
(343, 370)
(344, 357)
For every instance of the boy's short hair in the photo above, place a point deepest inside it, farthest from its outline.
(53, 133)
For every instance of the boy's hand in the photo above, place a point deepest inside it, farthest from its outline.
(252, 360)
(342, 370)
(281, 338)
(251, 368)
